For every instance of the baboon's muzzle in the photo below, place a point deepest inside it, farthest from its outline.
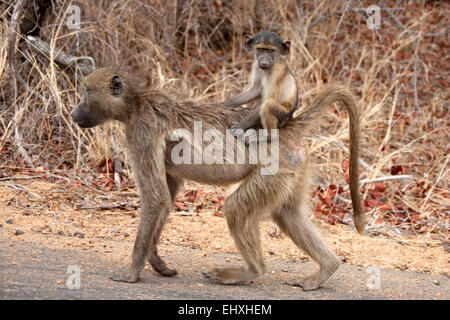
(265, 62)
(82, 118)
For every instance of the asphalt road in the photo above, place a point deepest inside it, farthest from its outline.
(31, 271)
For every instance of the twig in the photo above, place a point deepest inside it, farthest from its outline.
(341, 18)
(343, 199)
(105, 207)
(182, 214)
(391, 118)
(19, 187)
(410, 32)
(126, 194)
(399, 177)
(20, 148)
(20, 178)
(416, 60)
(77, 179)
(322, 19)
(429, 192)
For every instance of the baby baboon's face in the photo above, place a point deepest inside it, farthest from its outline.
(103, 98)
(267, 46)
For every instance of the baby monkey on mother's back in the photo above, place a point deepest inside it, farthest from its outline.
(272, 85)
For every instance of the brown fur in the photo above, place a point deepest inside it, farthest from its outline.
(150, 116)
(274, 89)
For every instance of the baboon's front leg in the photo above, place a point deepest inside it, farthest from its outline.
(155, 260)
(155, 203)
(149, 221)
(140, 248)
(243, 98)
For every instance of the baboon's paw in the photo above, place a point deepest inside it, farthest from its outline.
(306, 285)
(160, 266)
(125, 278)
(311, 282)
(168, 272)
(229, 275)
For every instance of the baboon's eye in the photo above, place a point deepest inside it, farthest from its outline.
(116, 85)
(265, 50)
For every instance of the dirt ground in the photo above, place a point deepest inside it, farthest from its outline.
(64, 215)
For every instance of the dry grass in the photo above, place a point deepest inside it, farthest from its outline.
(400, 74)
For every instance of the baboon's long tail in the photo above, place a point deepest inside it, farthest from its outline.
(317, 108)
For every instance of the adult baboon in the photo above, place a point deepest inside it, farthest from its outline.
(150, 116)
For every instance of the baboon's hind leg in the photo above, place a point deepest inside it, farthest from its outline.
(293, 220)
(244, 227)
(155, 260)
(243, 210)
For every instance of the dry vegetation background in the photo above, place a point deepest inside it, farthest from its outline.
(399, 72)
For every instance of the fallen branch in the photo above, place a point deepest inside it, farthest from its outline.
(399, 177)
(20, 178)
(105, 207)
(19, 187)
(126, 194)
(60, 57)
(343, 199)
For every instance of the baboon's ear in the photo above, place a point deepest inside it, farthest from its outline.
(116, 85)
(248, 44)
(285, 48)
(148, 81)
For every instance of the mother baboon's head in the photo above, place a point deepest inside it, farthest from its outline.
(107, 94)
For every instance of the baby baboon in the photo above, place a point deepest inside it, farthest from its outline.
(272, 85)
(150, 116)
